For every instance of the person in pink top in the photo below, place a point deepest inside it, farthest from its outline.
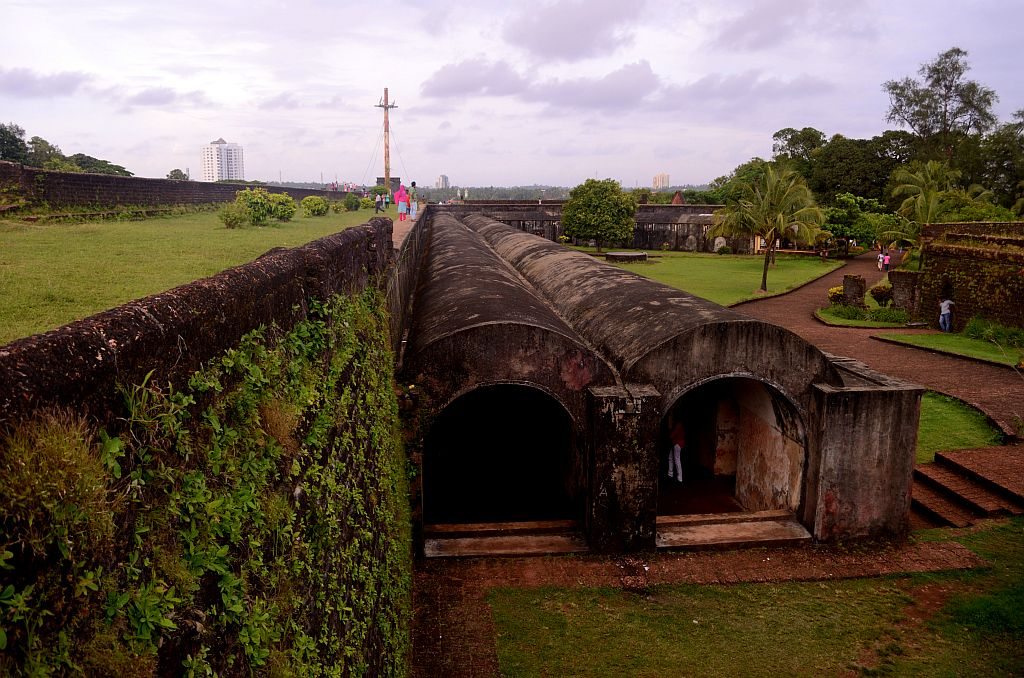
(402, 198)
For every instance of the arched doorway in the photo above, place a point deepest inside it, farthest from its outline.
(502, 453)
(744, 450)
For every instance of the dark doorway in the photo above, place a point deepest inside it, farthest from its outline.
(743, 450)
(501, 454)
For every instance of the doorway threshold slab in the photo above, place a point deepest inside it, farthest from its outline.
(730, 530)
(504, 545)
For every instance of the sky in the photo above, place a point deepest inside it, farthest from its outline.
(488, 92)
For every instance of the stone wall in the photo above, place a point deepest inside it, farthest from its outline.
(67, 189)
(174, 332)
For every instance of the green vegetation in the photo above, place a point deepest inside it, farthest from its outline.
(948, 424)
(959, 344)
(599, 210)
(255, 520)
(51, 274)
(314, 206)
(727, 278)
(814, 628)
(777, 205)
(851, 316)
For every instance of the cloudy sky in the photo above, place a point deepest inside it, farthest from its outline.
(488, 92)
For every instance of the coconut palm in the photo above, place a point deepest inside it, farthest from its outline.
(774, 205)
(924, 190)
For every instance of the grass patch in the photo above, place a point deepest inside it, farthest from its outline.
(52, 274)
(948, 424)
(833, 315)
(958, 344)
(816, 628)
(730, 278)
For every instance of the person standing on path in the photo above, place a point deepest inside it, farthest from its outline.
(413, 204)
(881, 257)
(378, 204)
(946, 314)
(885, 262)
(402, 198)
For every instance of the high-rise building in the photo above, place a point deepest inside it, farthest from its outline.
(442, 182)
(660, 181)
(221, 160)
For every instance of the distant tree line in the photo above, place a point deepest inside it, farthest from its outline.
(38, 152)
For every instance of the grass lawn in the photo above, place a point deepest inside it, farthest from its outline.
(846, 627)
(948, 424)
(828, 316)
(729, 278)
(51, 274)
(961, 345)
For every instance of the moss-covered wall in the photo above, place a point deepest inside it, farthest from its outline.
(251, 521)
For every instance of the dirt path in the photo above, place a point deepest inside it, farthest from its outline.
(997, 391)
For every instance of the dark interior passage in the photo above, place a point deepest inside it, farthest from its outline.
(501, 454)
(743, 450)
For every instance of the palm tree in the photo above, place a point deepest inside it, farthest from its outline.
(774, 205)
(924, 190)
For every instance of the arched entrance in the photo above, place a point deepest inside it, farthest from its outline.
(502, 453)
(744, 450)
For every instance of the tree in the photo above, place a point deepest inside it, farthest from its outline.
(943, 104)
(778, 204)
(924, 187)
(727, 187)
(41, 151)
(853, 217)
(601, 211)
(97, 166)
(177, 175)
(12, 143)
(796, 147)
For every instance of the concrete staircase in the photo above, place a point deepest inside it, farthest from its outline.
(965, 486)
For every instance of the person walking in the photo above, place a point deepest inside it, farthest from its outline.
(413, 204)
(946, 314)
(881, 258)
(885, 262)
(402, 199)
(378, 203)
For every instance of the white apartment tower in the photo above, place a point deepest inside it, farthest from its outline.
(660, 181)
(442, 182)
(221, 160)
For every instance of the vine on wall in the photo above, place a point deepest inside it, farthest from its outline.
(255, 521)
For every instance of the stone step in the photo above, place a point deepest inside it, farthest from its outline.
(449, 530)
(939, 507)
(719, 518)
(963, 489)
(731, 532)
(504, 545)
(1000, 469)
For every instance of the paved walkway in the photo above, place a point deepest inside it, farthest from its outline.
(997, 391)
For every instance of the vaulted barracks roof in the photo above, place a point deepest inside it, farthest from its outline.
(651, 332)
(477, 321)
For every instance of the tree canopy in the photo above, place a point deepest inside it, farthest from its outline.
(598, 209)
(12, 143)
(177, 175)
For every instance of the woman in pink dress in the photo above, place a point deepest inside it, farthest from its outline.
(402, 198)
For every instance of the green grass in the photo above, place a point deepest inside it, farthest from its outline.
(727, 279)
(816, 628)
(948, 424)
(830, 317)
(958, 344)
(52, 274)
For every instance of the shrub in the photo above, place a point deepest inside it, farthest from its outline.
(888, 315)
(989, 330)
(665, 246)
(366, 203)
(284, 206)
(352, 202)
(882, 294)
(337, 206)
(724, 249)
(234, 215)
(847, 312)
(314, 206)
(258, 203)
(835, 295)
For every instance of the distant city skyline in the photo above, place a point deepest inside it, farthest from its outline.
(548, 93)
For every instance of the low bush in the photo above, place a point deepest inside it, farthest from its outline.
(284, 206)
(724, 249)
(352, 202)
(234, 215)
(366, 203)
(989, 330)
(258, 204)
(337, 206)
(888, 315)
(848, 312)
(835, 295)
(314, 206)
(882, 294)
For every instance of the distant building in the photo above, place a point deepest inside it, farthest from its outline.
(660, 182)
(442, 182)
(221, 160)
(395, 182)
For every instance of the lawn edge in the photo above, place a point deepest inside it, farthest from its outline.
(815, 279)
(868, 325)
(940, 351)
